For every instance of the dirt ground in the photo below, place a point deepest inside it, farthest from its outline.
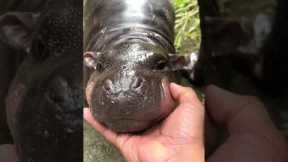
(97, 149)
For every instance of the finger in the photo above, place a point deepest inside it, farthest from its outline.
(248, 148)
(187, 120)
(237, 112)
(108, 134)
(223, 105)
(243, 115)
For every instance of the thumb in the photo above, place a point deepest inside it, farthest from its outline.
(239, 113)
(187, 120)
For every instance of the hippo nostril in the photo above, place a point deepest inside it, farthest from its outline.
(137, 83)
(124, 67)
(108, 85)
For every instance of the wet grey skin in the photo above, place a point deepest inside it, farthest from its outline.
(126, 61)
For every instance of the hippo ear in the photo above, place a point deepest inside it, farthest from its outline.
(90, 59)
(184, 64)
(183, 61)
(16, 29)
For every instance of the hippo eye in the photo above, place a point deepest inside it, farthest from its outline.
(99, 67)
(39, 51)
(160, 65)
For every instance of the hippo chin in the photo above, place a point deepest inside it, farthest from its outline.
(127, 62)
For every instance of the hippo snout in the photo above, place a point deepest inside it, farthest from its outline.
(129, 102)
(134, 84)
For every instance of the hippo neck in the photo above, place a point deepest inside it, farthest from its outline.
(108, 38)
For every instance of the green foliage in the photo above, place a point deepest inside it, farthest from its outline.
(187, 26)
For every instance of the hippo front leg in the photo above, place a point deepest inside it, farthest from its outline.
(15, 38)
(6, 71)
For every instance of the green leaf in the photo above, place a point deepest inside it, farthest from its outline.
(187, 25)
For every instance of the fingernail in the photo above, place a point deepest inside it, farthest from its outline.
(86, 112)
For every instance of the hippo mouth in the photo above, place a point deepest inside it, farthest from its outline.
(131, 112)
(134, 124)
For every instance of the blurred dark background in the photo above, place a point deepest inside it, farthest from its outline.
(41, 79)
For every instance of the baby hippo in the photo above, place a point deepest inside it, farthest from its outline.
(127, 46)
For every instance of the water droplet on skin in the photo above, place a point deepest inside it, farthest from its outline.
(102, 31)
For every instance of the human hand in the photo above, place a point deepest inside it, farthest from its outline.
(252, 135)
(178, 138)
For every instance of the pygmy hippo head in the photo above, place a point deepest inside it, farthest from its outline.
(128, 90)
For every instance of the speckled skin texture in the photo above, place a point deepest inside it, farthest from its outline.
(44, 104)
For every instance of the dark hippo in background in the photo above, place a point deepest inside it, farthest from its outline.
(244, 39)
(15, 16)
(45, 100)
(126, 47)
(244, 50)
